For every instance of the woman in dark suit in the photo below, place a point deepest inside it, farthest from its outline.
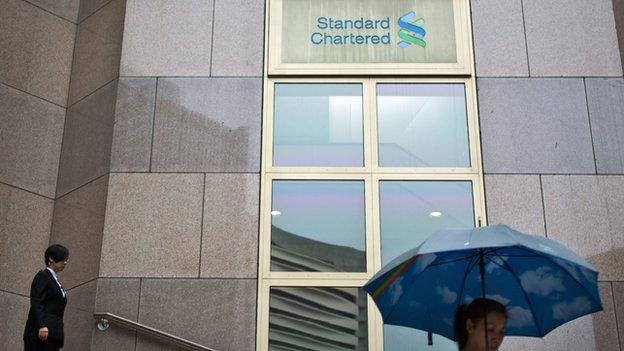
(44, 327)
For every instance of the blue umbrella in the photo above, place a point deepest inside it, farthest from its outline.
(542, 283)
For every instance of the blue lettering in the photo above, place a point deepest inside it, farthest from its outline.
(321, 22)
(317, 35)
(385, 24)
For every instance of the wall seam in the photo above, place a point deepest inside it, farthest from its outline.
(136, 335)
(193, 278)
(186, 172)
(52, 13)
(33, 95)
(82, 284)
(591, 133)
(216, 77)
(83, 185)
(619, 30)
(214, 6)
(26, 190)
(91, 93)
(149, 169)
(60, 156)
(543, 205)
(93, 13)
(14, 293)
(201, 231)
(556, 174)
(617, 327)
(539, 76)
(526, 41)
(95, 301)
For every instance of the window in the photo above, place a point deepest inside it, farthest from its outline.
(317, 318)
(318, 226)
(355, 172)
(318, 125)
(422, 125)
(364, 154)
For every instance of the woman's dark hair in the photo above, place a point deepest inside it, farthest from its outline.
(56, 252)
(474, 312)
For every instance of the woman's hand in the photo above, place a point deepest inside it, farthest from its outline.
(43, 333)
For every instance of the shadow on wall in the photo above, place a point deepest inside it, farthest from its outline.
(191, 137)
(183, 137)
(610, 264)
(605, 325)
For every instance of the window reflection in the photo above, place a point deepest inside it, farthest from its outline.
(318, 319)
(422, 125)
(409, 212)
(318, 226)
(408, 339)
(318, 125)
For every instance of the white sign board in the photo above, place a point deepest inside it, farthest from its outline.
(337, 36)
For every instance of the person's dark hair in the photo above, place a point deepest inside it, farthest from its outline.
(55, 252)
(474, 312)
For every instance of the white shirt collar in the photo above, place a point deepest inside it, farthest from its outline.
(56, 279)
(53, 273)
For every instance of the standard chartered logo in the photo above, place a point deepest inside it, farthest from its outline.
(368, 31)
(412, 31)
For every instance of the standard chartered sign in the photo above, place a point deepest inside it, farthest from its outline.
(351, 27)
(367, 31)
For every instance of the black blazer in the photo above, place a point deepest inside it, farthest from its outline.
(47, 306)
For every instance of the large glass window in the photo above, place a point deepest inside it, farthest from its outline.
(318, 319)
(410, 211)
(318, 125)
(318, 226)
(357, 172)
(422, 125)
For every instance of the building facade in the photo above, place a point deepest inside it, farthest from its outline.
(216, 179)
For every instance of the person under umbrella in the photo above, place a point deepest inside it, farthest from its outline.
(470, 328)
(541, 284)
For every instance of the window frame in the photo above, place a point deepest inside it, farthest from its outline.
(371, 174)
(368, 75)
(369, 115)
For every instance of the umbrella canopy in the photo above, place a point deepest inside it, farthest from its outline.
(542, 283)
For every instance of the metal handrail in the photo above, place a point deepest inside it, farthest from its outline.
(105, 319)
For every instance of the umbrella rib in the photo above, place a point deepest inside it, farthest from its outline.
(469, 268)
(519, 255)
(570, 275)
(498, 264)
(405, 293)
(452, 261)
(515, 276)
(495, 251)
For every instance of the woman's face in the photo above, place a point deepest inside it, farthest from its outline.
(58, 266)
(495, 332)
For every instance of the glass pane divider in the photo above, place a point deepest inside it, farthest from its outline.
(369, 116)
(302, 171)
(374, 147)
(329, 282)
(267, 125)
(318, 176)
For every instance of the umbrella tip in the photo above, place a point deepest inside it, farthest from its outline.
(429, 339)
